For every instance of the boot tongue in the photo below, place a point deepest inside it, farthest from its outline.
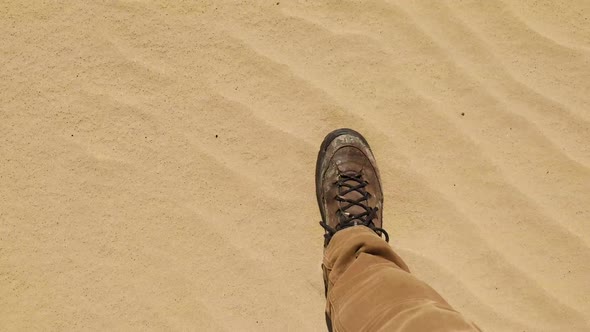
(352, 169)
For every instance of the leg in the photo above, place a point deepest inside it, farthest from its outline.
(369, 288)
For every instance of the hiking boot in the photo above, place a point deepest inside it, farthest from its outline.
(348, 187)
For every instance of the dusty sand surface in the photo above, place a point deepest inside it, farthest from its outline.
(157, 159)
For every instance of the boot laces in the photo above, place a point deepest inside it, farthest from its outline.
(347, 183)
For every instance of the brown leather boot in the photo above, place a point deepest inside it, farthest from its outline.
(348, 187)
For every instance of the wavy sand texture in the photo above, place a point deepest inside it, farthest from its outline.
(157, 159)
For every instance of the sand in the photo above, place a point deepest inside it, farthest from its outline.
(157, 159)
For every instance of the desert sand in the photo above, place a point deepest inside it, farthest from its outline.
(157, 159)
